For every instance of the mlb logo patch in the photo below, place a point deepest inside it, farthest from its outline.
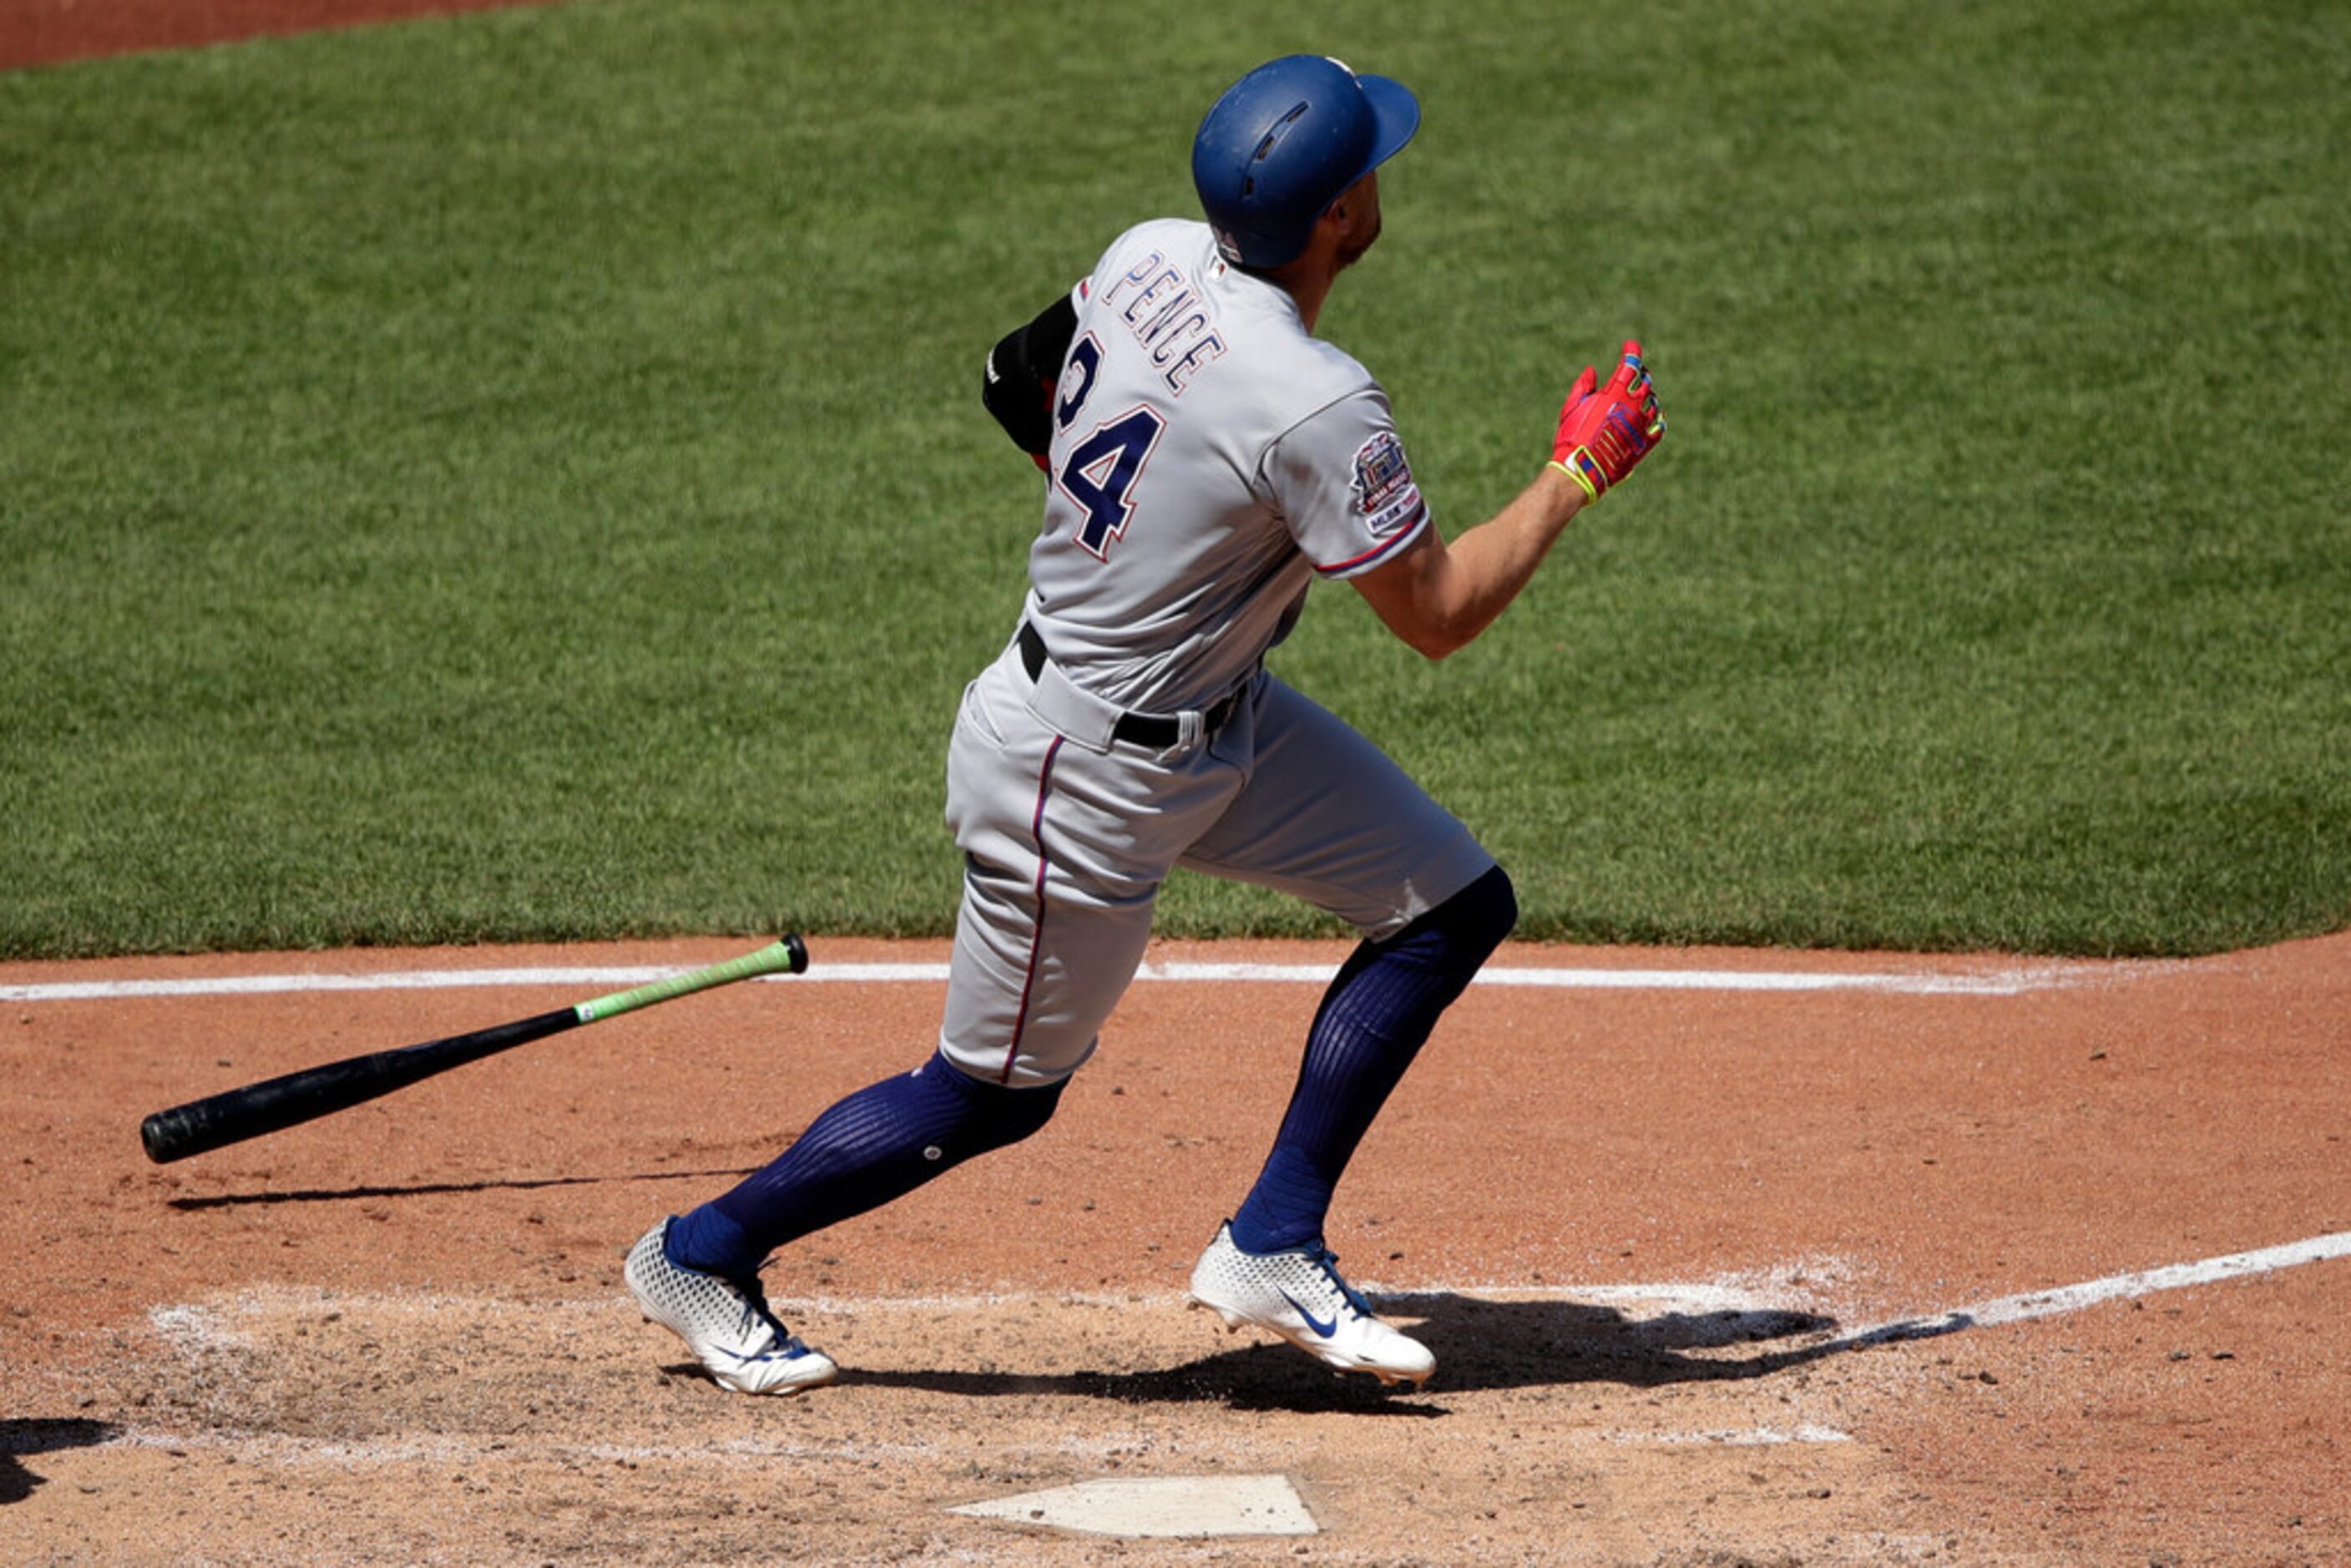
(1383, 483)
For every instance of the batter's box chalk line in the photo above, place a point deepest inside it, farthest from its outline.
(2030, 1304)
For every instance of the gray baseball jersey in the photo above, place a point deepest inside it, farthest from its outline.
(1209, 460)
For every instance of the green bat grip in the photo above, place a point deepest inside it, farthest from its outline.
(788, 956)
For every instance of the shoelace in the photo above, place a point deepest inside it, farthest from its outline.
(756, 1312)
(1328, 1261)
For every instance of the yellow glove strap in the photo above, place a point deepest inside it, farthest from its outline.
(1591, 491)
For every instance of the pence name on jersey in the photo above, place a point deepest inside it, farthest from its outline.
(1210, 458)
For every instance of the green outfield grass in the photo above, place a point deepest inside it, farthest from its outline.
(522, 475)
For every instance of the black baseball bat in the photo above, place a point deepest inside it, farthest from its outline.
(276, 1104)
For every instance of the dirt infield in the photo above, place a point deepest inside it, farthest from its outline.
(1876, 1260)
(1714, 1273)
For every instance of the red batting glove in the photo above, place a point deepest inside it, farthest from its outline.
(1605, 432)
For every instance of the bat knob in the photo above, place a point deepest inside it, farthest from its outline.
(155, 1135)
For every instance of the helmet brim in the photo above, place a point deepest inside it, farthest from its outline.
(1396, 115)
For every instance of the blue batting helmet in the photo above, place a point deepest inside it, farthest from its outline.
(1287, 140)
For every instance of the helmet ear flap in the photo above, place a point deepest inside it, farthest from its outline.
(1285, 141)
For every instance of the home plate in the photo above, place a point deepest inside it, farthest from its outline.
(1161, 1505)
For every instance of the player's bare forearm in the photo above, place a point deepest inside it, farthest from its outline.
(1439, 596)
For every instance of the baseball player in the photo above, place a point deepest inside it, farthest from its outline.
(1207, 459)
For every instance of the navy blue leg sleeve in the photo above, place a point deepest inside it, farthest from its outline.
(877, 1144)
(1373, 1021)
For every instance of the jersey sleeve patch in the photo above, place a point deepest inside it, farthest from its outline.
(1385, 496)
(1393, 544)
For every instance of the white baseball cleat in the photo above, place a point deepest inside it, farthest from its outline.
(724, 1322)
(1300, 1296)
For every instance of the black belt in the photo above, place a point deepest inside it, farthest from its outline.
(1157, 732)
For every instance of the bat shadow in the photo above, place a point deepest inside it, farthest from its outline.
(20, 1438)
(420, 1189)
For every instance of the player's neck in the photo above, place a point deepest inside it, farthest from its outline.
(1341, 237)
(1307, 282)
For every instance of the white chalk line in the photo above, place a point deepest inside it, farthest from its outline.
(1733, 1437)
(197, 1328)
(1996, 983)
(452, 1448)
(460, 1448)
(2032, 1304)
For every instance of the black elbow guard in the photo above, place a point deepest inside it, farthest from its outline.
(1021, 371)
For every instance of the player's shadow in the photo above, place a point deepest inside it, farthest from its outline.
(421, 1189)
(1267, 1376)
(1479, 1344)
(21, 1437)
(1483, 1344)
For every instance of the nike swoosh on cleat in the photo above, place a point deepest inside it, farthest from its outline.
(1323, 1327)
